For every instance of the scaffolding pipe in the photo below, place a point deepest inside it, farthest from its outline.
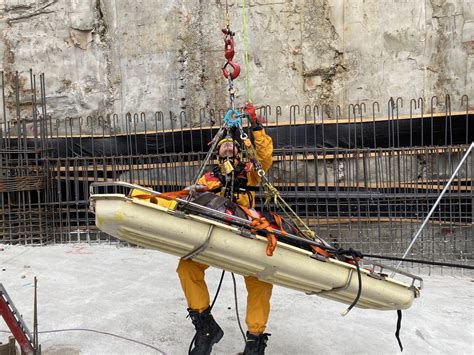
(436, 204)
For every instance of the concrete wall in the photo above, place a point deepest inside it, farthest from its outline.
(103, 56)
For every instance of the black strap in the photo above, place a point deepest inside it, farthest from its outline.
(399, 325)
(248, 188)
(252, 188)
(355, 255)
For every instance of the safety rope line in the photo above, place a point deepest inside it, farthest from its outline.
(237, 307)
(246, 52)
(272, 192)
(417, 261)
(214, 143)
(97, 332)
(227, 16)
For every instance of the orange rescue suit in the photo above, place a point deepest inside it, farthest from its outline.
(191, 273)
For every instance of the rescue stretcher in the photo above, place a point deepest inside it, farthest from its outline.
(224, 241)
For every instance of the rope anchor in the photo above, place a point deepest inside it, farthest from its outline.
(236, 122)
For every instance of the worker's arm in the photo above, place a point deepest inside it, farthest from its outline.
(210, 181)
(263, 142)
(264, 148)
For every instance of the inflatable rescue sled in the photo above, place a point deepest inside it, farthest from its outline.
(226, 242)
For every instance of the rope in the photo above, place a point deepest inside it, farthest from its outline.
(399, 325)
(237, 308)
(208, 157)
(227, 17)
(271, 191)
(359, 289)
(435, 263)
(98, 332)
(212, 305)
(246, 52)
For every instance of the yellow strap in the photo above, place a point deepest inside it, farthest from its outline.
(246, 50)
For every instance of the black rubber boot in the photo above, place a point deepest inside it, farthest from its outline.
(208, 332)
(256, 344)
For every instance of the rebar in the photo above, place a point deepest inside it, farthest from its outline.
(366, 180)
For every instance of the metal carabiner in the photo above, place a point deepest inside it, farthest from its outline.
(236, 122)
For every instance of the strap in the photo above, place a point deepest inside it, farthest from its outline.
(399, 325)
(278, 221)
(321, 251)
(248, 188)
(356, 255)
(167, 195)
(262, 223)
(174, 194)
(252, 188)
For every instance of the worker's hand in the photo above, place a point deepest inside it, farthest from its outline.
(255, 121)
(250, 110)
(216, 171)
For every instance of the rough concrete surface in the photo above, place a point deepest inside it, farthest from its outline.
(103, 56)
(136, 293)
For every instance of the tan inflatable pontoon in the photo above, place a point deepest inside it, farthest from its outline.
(236, 250)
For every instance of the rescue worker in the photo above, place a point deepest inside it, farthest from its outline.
(191, 273)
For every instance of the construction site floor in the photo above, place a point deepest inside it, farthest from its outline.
(135, 293)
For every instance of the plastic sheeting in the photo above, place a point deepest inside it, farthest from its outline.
(429, 131)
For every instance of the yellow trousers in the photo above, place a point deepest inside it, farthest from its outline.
(191, 275)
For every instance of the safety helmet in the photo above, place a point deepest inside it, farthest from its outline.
(226, 140)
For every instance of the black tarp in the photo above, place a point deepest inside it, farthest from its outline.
(428, 131)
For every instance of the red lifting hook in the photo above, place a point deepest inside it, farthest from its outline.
(229, 52)
(229, 48)
(235, 72)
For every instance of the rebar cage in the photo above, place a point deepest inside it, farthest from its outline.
(363, 175)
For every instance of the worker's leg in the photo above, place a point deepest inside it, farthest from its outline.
(208, 332)
(191, 275)
(258, 304)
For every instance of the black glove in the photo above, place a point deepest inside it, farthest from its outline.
(216, 171)
(255, 126)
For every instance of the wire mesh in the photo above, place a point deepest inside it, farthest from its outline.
(360, 175)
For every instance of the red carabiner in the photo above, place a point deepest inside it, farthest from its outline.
(235, 72)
